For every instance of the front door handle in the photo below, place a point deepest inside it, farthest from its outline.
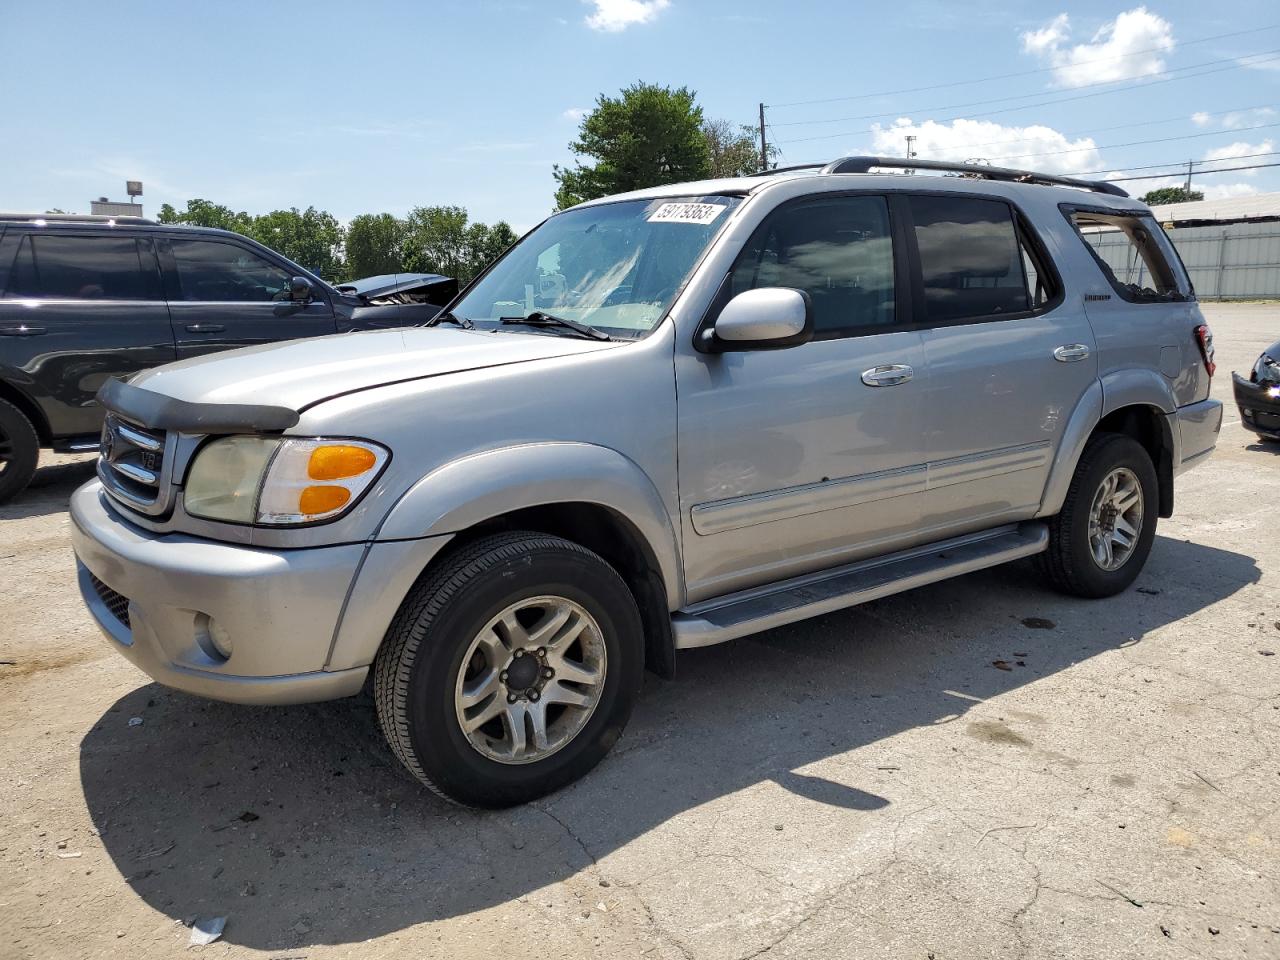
(205, 328)
(1071, 352)
(887, 375)
(22, 330)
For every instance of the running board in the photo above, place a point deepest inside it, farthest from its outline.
(775, 605)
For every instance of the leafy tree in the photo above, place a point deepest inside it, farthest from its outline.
(203, 213)
(436, 241)
(374, 245)
(650, 135)
(310, 237)
(1171, 195)
(732, 154)
(485, 244)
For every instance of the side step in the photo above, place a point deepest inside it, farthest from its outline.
(777, 604)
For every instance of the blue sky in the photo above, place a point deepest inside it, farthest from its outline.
(384, 106)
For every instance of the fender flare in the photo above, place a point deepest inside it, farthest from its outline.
(468, 491)
(1137, 387)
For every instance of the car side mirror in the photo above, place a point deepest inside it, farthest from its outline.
(300, 290)
(767, 318)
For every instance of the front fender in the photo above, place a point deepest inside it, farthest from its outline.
(469, 491)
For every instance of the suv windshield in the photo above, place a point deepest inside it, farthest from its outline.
(615, 267)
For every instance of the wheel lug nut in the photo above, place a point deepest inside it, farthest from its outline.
(511, 698)
(532, 693)
(548, 673)
(542, 653)
(519, 653)
(503, 676)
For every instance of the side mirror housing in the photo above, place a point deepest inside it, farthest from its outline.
(767, 318)
(300, 290)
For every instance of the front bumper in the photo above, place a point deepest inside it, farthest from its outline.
(1259, 405)
(161, 600)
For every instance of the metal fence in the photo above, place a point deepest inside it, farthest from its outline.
(1235, 261)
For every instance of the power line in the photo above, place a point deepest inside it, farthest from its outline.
(1156, 166)
(1234, 64)
(1140, 143)
(1199, 173)
(1023, 73)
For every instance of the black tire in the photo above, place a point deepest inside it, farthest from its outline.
(419, 662)
(19, 451)
(1069, 564)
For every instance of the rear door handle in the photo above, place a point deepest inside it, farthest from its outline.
(887, 375)
(22, 330)
(1071, 352)
(205, 328)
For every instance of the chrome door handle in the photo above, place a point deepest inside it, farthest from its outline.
(205, 328)
(887, 375)
(1071, 352)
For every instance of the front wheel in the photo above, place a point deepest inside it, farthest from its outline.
(19, 451)
(1100, 540)
(510, 669)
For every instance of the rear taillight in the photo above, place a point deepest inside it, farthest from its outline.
(1204, 338)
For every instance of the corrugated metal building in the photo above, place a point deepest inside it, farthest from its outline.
(1231, 247)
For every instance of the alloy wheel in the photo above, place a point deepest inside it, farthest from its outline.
(1115, 519)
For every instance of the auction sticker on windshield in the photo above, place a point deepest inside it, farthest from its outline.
(686, 213)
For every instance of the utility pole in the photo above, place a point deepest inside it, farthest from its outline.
(1189, 165)
(911, 154)
(764, 146)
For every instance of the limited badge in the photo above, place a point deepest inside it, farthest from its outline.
(702, 213)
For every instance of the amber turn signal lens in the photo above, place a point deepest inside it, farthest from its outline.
(316, 500)
(339, 461)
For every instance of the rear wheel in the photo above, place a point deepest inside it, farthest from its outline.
(19, 451)
(510, 670)
(1100, 540)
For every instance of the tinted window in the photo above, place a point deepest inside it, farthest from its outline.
(1135, 254)
(970, 259)
(79, 268)
(839, 250)
(212, 270)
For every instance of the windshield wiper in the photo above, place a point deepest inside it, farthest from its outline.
(540, 319)
(450, 317)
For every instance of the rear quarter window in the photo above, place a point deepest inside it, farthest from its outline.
(1134, 255)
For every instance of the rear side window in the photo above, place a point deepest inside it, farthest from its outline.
(838, 250)
(212, 270)
(1134, 254)
(81, 268)
(972, 261)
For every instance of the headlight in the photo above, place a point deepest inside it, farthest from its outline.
(288, 480)
(1266, 370)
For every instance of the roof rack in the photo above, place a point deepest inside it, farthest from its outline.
(71, 218)
(864, 164)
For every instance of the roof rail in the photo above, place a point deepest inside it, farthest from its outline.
(72, 218)
(795, 166)
(864, 164)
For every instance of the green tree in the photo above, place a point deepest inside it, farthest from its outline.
(436, 241)
(374, 245)
(204, 213)
(730, 153)
(310, 237)
(1171, 195)
(484, 244)
(650, 135)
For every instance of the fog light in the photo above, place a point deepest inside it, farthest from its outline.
(212, 639)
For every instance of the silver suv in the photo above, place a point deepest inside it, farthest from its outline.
(662, 420)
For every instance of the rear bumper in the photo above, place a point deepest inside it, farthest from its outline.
(163, 600)
(1259, 406)
(1198, 428)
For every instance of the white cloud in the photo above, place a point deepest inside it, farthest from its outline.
(1131, 45)
(574, 113)
(1200, 119)
(1239, 149)
(1221, 191)
(614, 16)
(1037, 147)
(1247, 118)
(1211, 191)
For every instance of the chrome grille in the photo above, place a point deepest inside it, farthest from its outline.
(117, 603)
(131, 463)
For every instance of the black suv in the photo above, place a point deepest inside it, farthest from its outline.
(84, 299)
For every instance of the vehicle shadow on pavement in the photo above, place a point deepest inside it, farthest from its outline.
(298, 825)
(50, 489)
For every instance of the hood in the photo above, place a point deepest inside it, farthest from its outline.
(300, 373)
(388, 283)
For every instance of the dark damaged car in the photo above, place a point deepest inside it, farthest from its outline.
(1258, 397)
